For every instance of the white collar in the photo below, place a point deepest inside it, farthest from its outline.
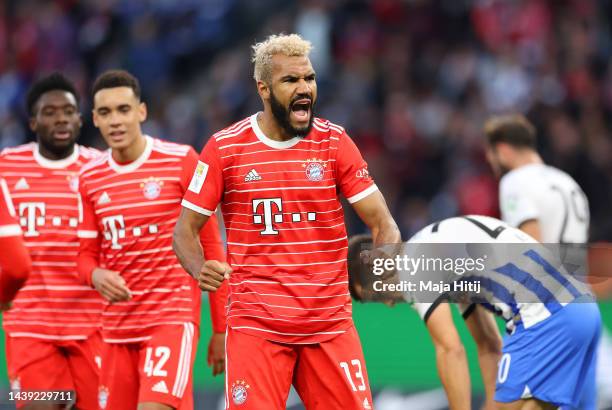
(134, 165)
(58, 163)
(268, 141)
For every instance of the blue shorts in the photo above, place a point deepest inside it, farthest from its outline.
(552, 360)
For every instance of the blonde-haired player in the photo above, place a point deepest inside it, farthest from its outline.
(278, 175)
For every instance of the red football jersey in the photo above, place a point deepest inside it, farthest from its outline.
(287, 241)
(15, 263)
(54, 303)
(128, 217)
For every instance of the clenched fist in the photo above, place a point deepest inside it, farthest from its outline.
(212, 274)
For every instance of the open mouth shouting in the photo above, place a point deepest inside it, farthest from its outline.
(300, 110)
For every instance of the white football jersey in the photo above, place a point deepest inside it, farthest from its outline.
(520, 276)
(545, 193)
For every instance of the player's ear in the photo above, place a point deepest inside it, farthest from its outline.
(142, 112)
(32, 123)
(94, 117)
(263, 89)
(504, 150)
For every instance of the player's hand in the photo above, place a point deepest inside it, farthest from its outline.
(110, 285)
(5, 306)
(216, 353)
(212, 275)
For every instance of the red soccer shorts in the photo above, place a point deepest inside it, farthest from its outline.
(51, 365)
(157, 370)
(327, 376)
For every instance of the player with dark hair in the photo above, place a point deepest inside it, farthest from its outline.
(544, 202)
(53, 340)
(277, 176)
(131, 199)
(553, 326)
(15, 263)
(539, 199)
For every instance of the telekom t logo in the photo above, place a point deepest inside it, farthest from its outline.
(114, 229)
(273, 213)
(32, 214)
(268, 214)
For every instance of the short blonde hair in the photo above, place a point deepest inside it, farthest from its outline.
(291, 45)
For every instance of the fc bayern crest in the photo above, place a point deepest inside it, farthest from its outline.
(102, 397)
(315, 169)
(151, 188)
(239, 391)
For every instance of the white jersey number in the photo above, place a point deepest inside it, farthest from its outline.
(575, 206)
(358, 374)
(162, 353)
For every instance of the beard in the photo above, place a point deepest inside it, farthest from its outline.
(59, 149)
(282, 116)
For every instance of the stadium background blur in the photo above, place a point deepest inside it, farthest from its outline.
(411, 80)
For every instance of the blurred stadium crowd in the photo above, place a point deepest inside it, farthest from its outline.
(411, 80)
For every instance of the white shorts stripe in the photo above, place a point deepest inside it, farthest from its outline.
(184, 368)
(190, 327)
(187, 369)
(180, 370)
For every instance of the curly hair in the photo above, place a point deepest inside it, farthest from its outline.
(291, 45)
(53, 82)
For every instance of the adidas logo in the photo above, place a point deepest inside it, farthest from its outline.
(160, 387)
(366, 404)
(22, 184)
(526, 393)
(104, 199)
(252, 176)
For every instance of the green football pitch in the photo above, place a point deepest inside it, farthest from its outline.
(396, 345)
